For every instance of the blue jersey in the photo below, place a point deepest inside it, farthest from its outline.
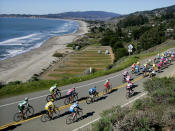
(92, 90)
(71, 109)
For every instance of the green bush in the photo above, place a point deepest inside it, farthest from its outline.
(14, 83)
(161, 89)
(57, 54)
(148, 114)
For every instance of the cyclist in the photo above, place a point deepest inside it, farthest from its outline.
(129, 87)
(125, 74)
(74, 108)
(144, 68)
(172, 57)
(70, 93)
(22, 105)
(50, 107)
(154, 67)
(52, 90)
(107, 84)
(92, 92)
(158, 56)
(137, 68)
(133, 67)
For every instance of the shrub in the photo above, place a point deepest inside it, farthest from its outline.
(87, 71)
(14, 83)
(109, 67)
(161, 89)
(2, 84)
(56, 54)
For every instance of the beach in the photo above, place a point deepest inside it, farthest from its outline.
(24, 66)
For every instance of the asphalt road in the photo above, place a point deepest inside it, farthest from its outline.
(8, 107)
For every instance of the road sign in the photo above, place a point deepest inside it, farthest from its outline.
(130, 47)
(129, 50)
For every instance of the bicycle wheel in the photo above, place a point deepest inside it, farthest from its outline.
(45, 118)
(127, 95)
(88, 100)
(17, 117)
(75, 97)
(58, 94)
(69, 119)
(96, 97)
(79, 115)
(67, 101)
(29, 111)
(48, 98)
(105, 91)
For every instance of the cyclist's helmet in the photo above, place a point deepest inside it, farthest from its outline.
(55, 85)
(52, 100)
(26, 99)
(138, 63)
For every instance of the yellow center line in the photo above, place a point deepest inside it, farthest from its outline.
(66, 106)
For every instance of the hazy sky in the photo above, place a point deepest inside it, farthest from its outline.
(58, 6)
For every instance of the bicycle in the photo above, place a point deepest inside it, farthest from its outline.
(46, 117)
(74, 117)
(28, 111)
(57, 95)
(92, 98)
(107, 90)
(129, 93)
(68, 100)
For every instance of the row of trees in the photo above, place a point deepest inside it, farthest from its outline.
(144, 32)
(133, 20)
(113, 39)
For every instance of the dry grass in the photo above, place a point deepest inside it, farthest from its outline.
(79, 61)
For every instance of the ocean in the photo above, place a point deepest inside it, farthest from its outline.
(19, 35)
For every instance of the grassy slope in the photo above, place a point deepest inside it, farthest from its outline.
(156, 112)
(11, 90)
(83, 59)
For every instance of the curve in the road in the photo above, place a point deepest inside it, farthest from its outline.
(66, 106)
(34, 98)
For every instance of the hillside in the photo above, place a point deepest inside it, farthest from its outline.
(87, 15)
(157, 12)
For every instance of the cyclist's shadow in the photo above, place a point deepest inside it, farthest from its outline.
(100, 98)
(86, 115)
(61, 115)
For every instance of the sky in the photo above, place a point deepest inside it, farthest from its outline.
(59, 6)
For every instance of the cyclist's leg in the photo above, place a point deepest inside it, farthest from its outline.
(50, 112)
(22, 111)
(52, 93)
(74, 113)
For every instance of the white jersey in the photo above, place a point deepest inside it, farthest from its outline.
(52, 88)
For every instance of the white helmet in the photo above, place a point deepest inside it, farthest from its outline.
(26, 99)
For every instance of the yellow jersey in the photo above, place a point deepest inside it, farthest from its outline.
(49, 104)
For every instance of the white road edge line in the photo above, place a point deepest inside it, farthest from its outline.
(100, 117)
(61, 91)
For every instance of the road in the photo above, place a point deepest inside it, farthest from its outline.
(8, 107)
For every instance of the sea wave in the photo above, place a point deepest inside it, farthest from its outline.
(19, 45)
(18, 40)
(15, 52)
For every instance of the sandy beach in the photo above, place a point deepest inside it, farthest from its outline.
(22, 67)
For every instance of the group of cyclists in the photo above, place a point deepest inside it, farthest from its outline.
(152, 65)
(50, 107)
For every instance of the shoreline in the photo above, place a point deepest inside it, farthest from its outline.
(23, 66)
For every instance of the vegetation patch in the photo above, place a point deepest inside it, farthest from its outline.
(156, 112)
(57, 54)
(83, 59)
